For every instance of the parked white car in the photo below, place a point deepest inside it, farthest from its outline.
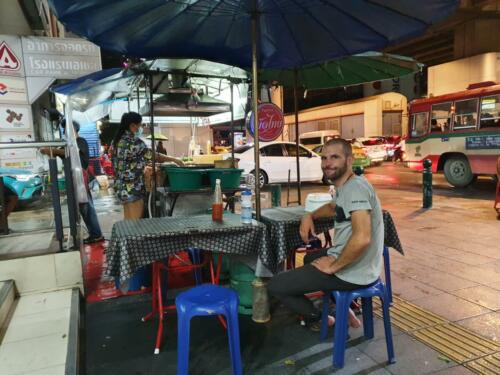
(374, 148)
(277, 159)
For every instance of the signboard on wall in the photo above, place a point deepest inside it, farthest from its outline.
(15, 117)
(11, 56)
(61, 58)
(271, 122)
(13, 90)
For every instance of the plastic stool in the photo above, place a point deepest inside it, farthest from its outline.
(342, 301)
(159, 288)
(203, 300)
(387, 273)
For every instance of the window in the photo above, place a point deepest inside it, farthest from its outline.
(419, 124)
(490, 112)
(465, 114)
(311, 141)
(330, 137)
(441, 117)
(272, 150)
(242, 149)
(292, 151)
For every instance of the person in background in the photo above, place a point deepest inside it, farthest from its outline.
(10, 199)
(130, 156)
(160, 149)
(87, 210)
(355, 260)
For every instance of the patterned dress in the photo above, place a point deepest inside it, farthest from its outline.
(129, 162)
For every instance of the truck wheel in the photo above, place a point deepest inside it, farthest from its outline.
(457, 171)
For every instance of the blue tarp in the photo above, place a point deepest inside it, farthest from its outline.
(75, 84)
(292, 33)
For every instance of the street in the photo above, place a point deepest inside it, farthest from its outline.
(398, 178)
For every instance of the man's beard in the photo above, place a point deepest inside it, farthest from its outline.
(337, 174)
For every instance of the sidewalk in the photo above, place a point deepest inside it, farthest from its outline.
(451, 268)
(451, 265)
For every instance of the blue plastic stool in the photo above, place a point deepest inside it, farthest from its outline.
(343, 300)
(387, 274)
(203, 300)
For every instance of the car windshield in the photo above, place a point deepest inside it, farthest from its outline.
(242, 149)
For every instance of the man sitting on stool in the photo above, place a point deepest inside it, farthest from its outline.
(355, 260)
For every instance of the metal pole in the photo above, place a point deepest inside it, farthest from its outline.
(296, 108)
(56, 202)
(4, 223)
(255, 20)
(152, 129)
(232, 126)
(427, 184)
(138, 101)
(71, 200)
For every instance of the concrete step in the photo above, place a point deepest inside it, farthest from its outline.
(42, 336)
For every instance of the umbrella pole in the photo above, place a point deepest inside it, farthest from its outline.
(296, 108)
(232, 126)
(138, 101)
(255, 20)
(152, 129)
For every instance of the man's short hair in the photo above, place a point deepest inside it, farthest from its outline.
(346, 146)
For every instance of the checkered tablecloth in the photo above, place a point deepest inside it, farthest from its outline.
(136, 243)
(283, 233)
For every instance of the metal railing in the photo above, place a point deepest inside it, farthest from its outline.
(56, 197)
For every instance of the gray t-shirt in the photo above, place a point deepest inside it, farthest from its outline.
(357, 194)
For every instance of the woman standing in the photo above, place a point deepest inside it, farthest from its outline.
(129, 160)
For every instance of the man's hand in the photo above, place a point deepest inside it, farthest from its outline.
(307, 227)
(179, 162)
(324, 264)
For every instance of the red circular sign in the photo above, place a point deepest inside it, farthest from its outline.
(271, 122)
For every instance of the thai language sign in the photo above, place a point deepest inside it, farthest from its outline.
(271, 122)
(482, 142)
(60, 58)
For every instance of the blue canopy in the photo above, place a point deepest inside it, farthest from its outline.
(291, 33)
(75, 85)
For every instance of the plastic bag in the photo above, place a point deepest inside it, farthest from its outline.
(76, 165)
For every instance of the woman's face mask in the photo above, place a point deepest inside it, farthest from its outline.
(138, 133)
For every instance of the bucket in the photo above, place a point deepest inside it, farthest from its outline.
(229, 177)
(242, 277)
(139, 280)
(224, 270)
(61, 184)
(182, 179)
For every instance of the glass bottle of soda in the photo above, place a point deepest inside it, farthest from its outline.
(217, 203)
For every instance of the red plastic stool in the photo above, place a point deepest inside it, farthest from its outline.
(158, 307)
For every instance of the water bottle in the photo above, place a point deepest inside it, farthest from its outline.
(246, 207)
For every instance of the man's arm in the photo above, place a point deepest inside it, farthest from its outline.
(357, 244)
(55, 151)
(307, 221)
